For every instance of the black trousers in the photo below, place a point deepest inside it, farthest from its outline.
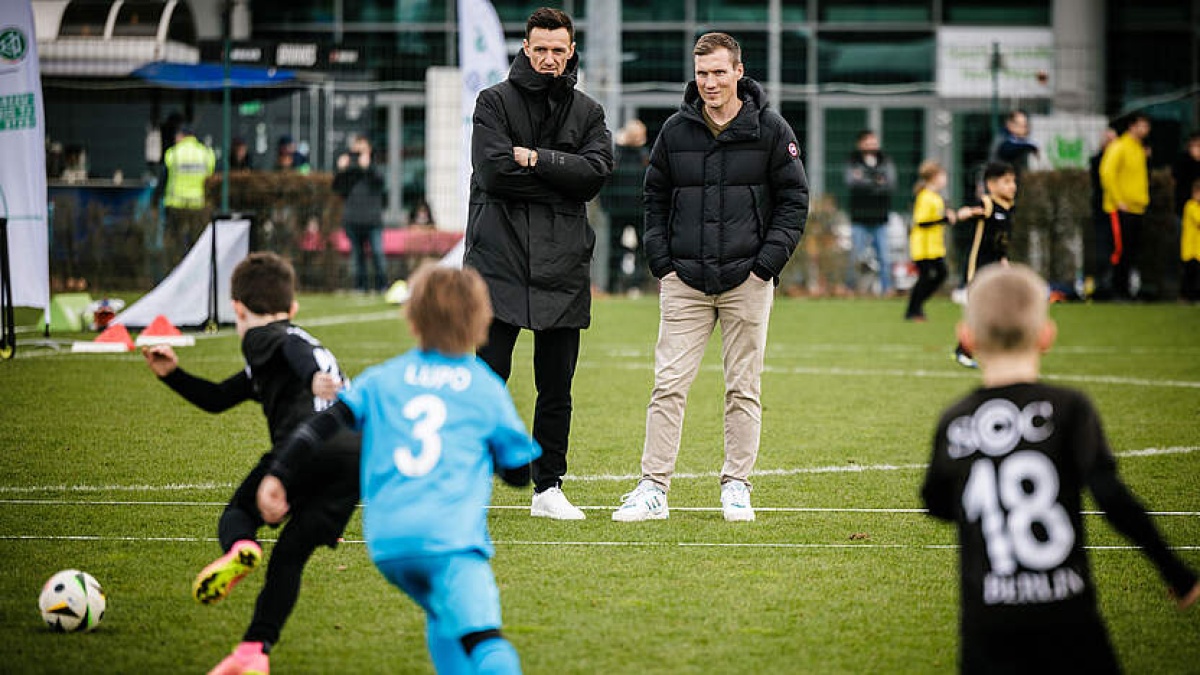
(1189, 286)
(555, 354)
(1127, 235)
(930, 275)
(1084, 648)
(322, 497)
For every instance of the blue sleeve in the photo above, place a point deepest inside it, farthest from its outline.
(354, 396)
(510, 444)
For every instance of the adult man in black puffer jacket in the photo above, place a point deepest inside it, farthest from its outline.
(540, 150)
(726, 199)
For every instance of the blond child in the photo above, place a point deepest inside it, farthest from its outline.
(1010, 461)
(437, 422)
(927, 239)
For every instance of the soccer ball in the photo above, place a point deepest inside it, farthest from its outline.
(72, 601)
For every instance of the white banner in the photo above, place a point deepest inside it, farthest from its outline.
(23, 157)
(964, 62)
(184, 296)
(483, 61)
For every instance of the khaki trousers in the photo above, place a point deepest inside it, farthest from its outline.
(688, 317)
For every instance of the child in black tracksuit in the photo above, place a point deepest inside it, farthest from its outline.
(1010, 461)
(293, 377)
(992, 225)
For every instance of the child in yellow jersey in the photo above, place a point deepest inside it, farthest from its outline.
(1189, 247)
(927, 239)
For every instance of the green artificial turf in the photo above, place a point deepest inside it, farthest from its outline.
(106, 470)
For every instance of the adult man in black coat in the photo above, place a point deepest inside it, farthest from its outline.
(539, 151)
(726, 199)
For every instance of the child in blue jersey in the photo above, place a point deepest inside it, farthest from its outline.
(436, 423)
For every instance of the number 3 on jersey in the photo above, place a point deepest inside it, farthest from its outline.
(428, 413)
(1009, 532)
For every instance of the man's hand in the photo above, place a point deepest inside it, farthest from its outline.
(326, 386)
(524, 156)
(343, 162)
(364, 159)
(272, 500)
(161, 359)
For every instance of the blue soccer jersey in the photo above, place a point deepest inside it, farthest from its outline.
(434, 429)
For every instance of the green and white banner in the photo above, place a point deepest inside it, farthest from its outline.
(23, 157)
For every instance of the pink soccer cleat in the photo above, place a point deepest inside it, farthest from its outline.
(247, 659)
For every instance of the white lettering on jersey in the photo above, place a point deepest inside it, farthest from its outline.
(1026, 588)
(997, 426)
(456, 378)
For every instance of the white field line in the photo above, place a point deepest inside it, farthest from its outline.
(835, 469)
(550, 542)
(518, 507)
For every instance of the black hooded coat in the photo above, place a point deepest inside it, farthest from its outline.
(527, 228)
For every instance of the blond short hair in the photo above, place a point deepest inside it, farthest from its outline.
(1006, 308)
(449, 309)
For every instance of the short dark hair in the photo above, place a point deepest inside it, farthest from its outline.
(548, 18)
(1014, 114)
(711, 42)
(264, 282)
(997, 169)
(863, 134)
(1196, 185)
(1193, 137)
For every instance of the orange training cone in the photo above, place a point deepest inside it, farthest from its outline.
(115, 338)
(162, 332)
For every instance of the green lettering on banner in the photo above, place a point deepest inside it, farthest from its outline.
(17, 111)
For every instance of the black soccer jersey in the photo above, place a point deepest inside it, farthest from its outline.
(281, 360)
(990, 235)
(1009, 464)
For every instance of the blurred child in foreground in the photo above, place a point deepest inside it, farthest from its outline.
(437, 423)
(1010, 461)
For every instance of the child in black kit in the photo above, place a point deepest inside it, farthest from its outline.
(293, 377)
(992, 229)
(1010, 461)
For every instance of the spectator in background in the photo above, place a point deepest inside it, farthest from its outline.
(289, 158)
(540, 150)
(360, 186)
(239, 155)
(622, 200)
(871, 177)
(1185, 171)
(1189, 247)
(1013, 145)
(188, 164)
(1101, 223)
(1126, 182)
(421, 216)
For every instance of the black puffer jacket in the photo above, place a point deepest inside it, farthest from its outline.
(720, 208)
(527, 230)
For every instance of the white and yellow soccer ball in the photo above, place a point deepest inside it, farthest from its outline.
(72, 601)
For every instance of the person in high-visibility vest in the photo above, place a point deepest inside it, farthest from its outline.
(189, 163)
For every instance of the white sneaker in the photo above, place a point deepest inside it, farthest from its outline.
(735, 501)
(552, 503)
(646, 502)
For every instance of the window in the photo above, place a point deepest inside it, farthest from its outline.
(997, 13)
(875, 11)
(875, 58)
(660, 10)
(275, 12)
(655, 57)
(394, 11)
(84, 19)
(794, 55)
(138, 19)
(731, 10)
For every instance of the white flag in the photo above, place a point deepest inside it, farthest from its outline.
(483, 61)
(23, 157)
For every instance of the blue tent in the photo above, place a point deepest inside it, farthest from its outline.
(211, 76)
